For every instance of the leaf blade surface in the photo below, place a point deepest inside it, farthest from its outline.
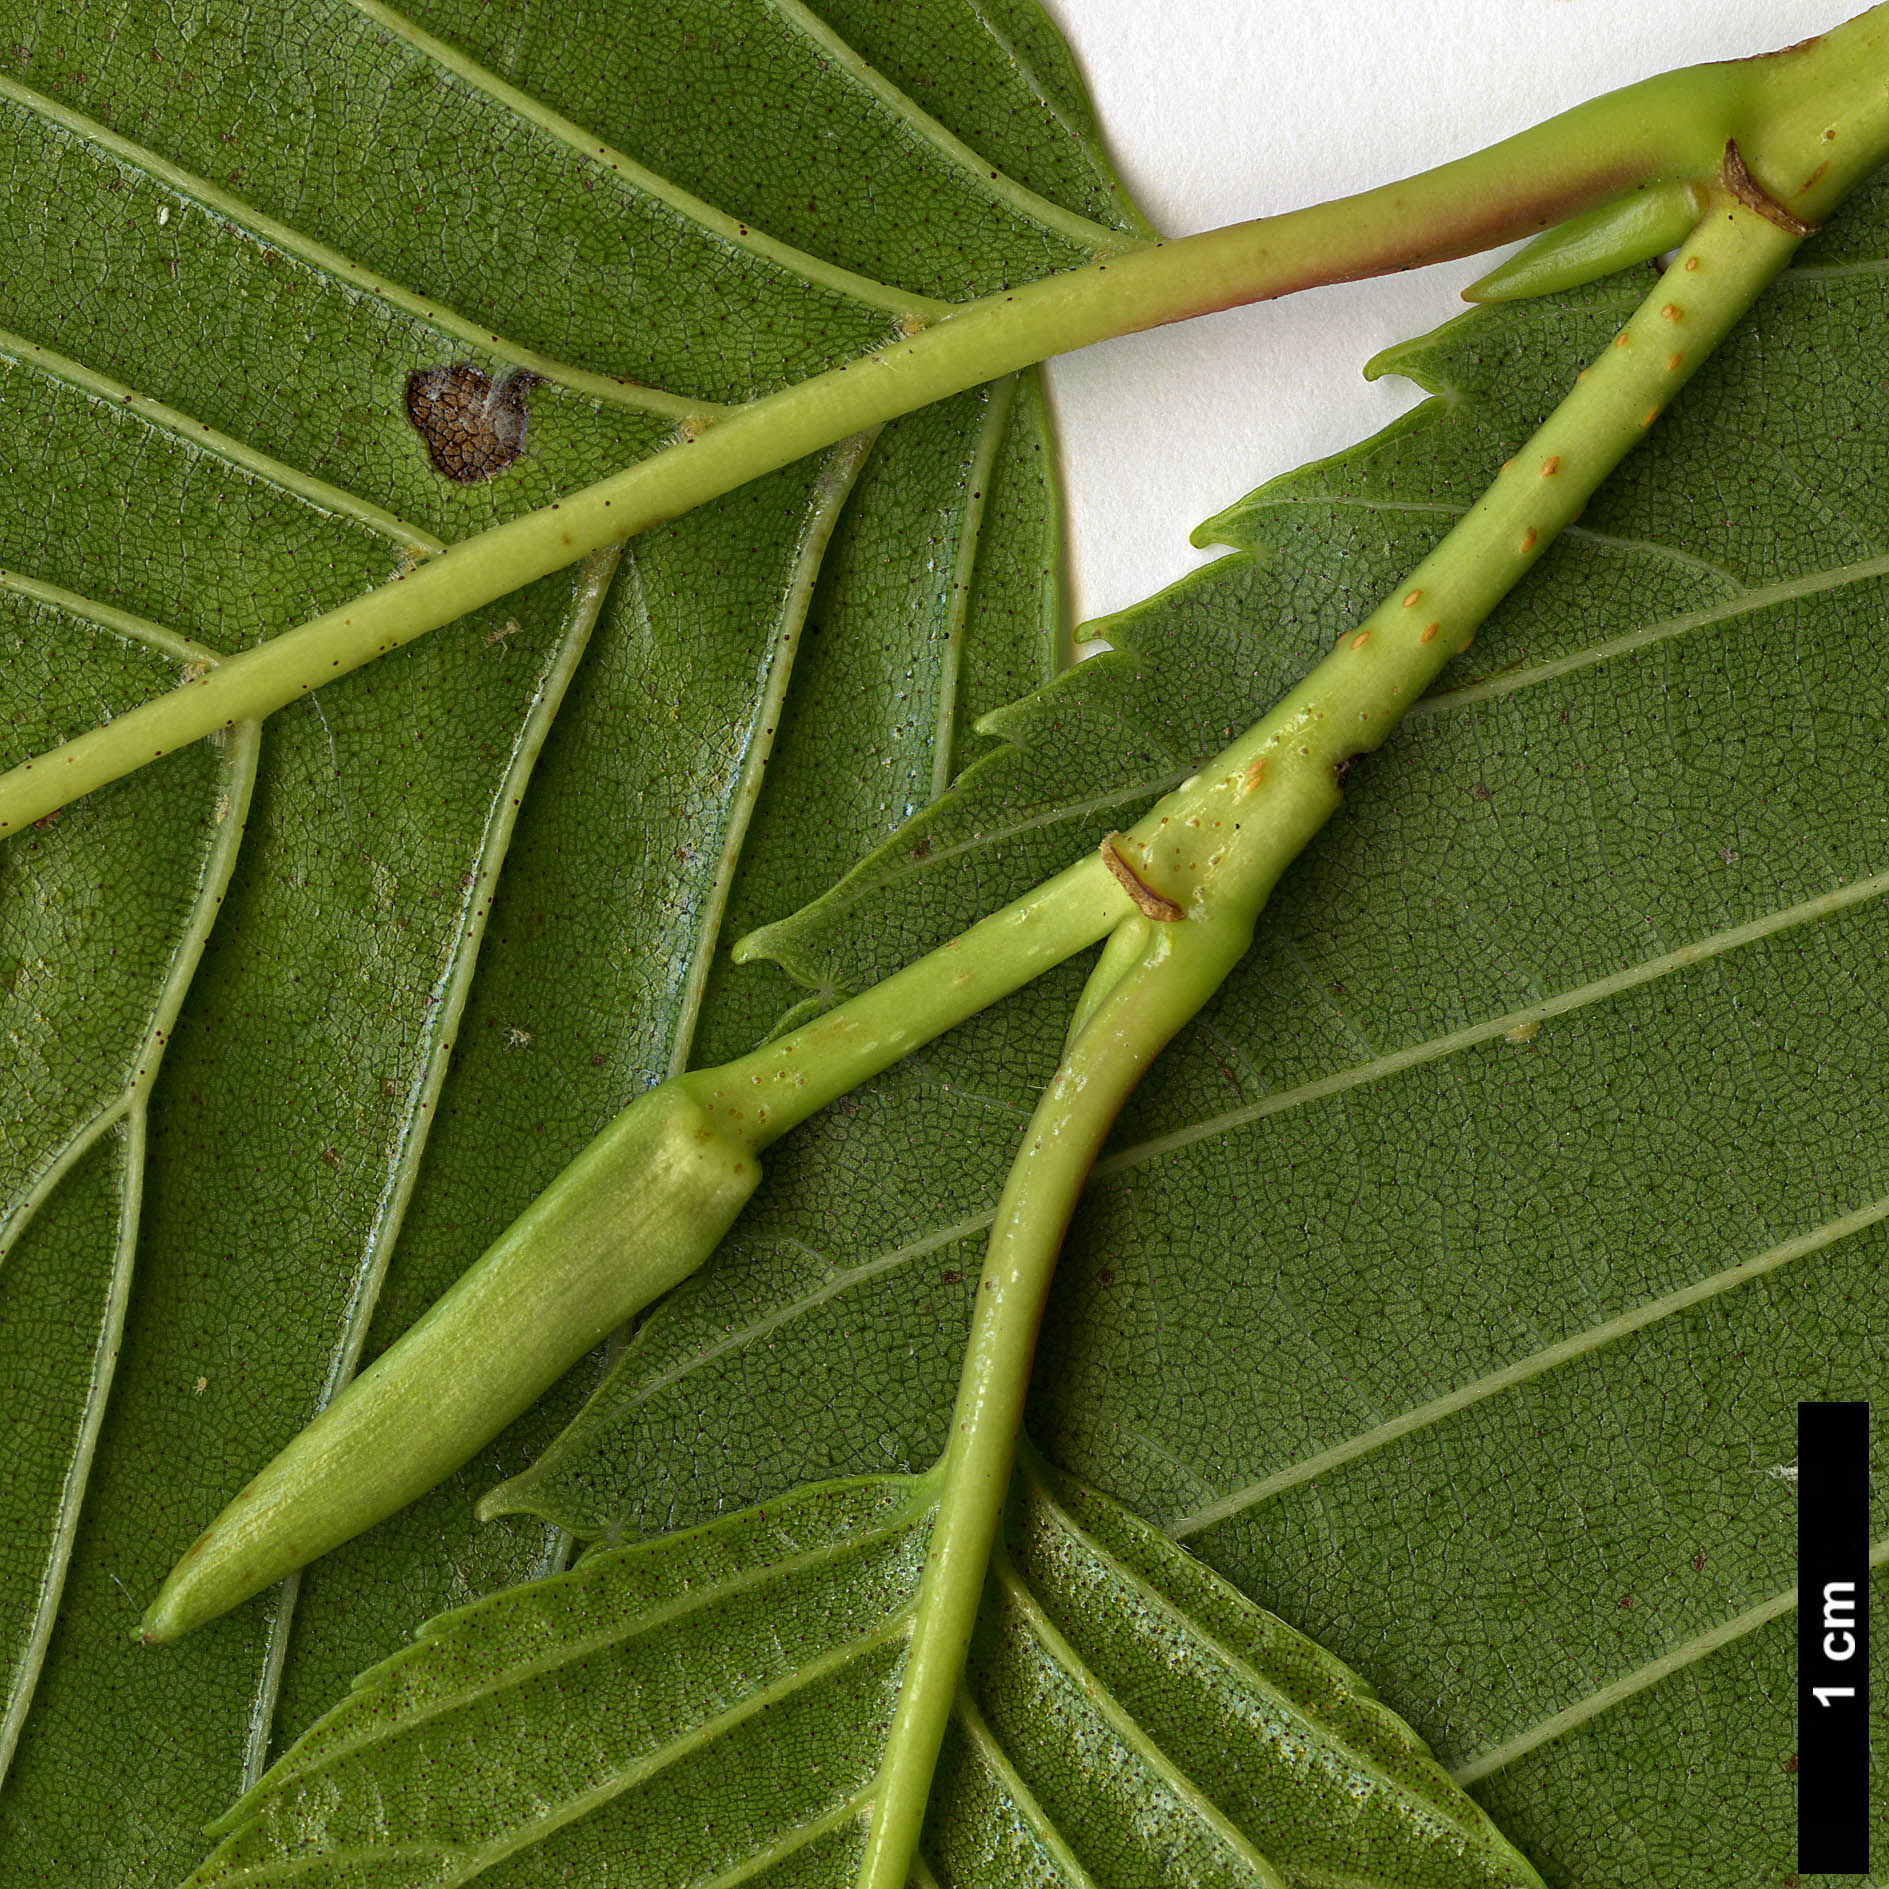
(730, 1688)
(243, 236)
(1539, 1128)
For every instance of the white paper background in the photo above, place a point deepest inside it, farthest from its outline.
(1216, 110)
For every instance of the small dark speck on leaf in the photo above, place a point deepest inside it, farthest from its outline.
(1790, 1764)
(1105, 1277)
(473, 426)
(949, 1278)
(1480, 791)
(1626, 1600)
(1698, 1561)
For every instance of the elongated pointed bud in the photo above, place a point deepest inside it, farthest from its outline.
(1654, 219)
(637, 1211)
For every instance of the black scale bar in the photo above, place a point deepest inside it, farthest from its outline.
(1833, 1639)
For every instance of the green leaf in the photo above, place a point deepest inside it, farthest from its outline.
(1451, 1285)
(711, 1707)
(478, 895)
(218, 434)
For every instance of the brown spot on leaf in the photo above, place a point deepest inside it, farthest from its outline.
(474, 426)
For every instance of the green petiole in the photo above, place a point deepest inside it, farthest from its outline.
(1173, 968)
(1803, 118)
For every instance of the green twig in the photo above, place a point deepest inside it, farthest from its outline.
(649, 1200)
(1252, 808)
(1208, 860)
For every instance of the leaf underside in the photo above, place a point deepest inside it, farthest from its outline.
(711, 1708)
(468, 902)
(1467, 1346)
(1451, 1285)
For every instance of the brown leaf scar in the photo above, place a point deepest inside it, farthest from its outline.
(1147, 901)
